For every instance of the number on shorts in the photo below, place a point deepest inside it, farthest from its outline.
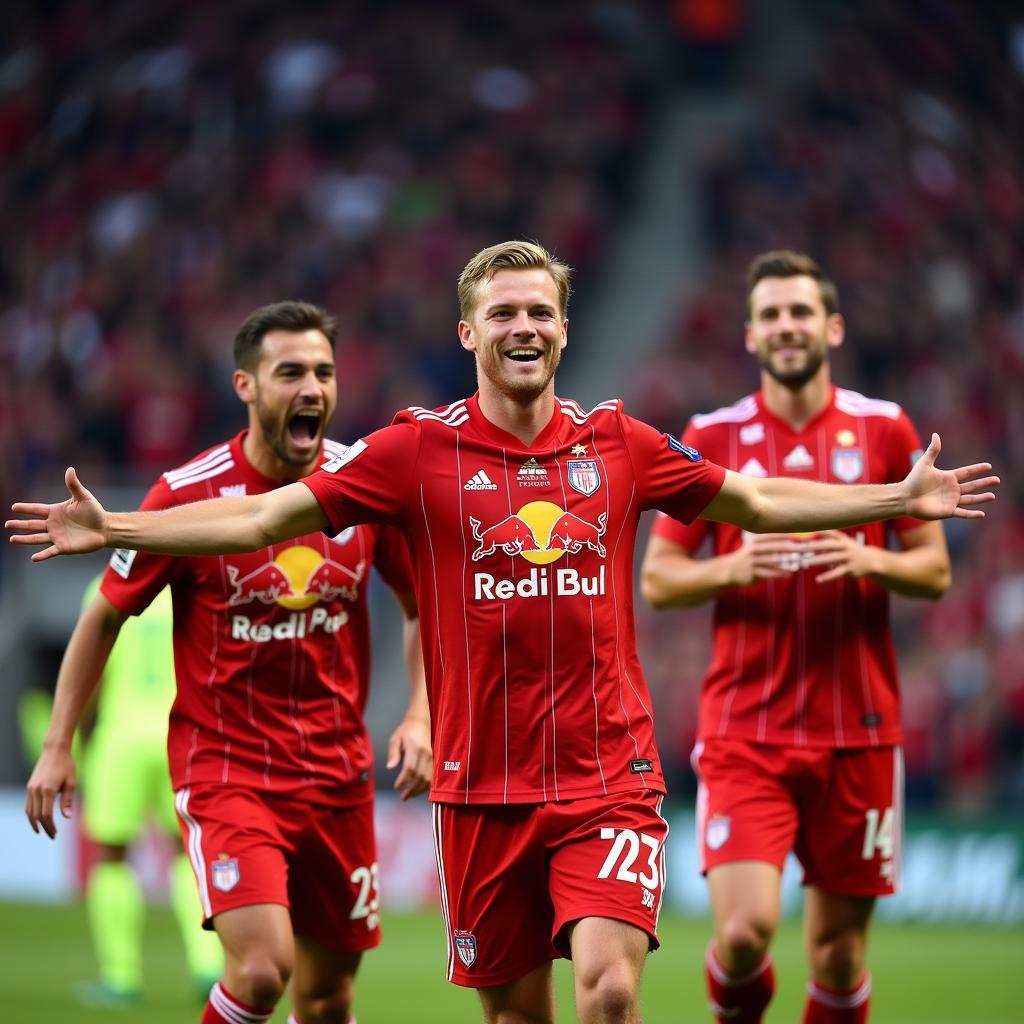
(366, 904)
(627, 845)
(878, 835)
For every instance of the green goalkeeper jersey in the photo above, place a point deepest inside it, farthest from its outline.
(138, 682)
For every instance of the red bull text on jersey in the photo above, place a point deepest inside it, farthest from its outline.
(523, 559)
(795, 662)
(271, 649)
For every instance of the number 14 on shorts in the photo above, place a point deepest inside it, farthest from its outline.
(624, 851)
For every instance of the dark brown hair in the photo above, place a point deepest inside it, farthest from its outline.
(279, 316)
(787, 263)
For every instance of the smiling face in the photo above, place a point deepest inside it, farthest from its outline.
(789, 330)
(291, 395)
(517, 331)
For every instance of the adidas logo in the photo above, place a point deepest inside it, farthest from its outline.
(480, 481)
(753, 468)
(798, 458)
(233, 491)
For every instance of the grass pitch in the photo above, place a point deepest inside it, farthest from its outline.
(922, 974)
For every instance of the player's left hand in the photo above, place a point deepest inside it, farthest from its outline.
(844, 555)
(933, 493)
(410, 745)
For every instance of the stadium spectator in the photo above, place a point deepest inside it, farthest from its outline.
(798, 745)
(547, 779)
(270, 758)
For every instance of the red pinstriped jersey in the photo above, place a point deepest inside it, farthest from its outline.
(796, 662)
(271, 649)
(523, 556)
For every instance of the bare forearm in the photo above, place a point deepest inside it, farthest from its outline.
(218, 526)
(802, 506)
(80, 672)
(669, 582)
(412, 649)
(920, 572)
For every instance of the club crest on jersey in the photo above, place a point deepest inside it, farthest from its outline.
(847, 464)
(684, 449)
(716, 835)
(465, 946)
(345, 457)
(583, 475)
(224, 874)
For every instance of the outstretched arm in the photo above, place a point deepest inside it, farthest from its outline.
(80, 670)
(776, 505)
(214, 527)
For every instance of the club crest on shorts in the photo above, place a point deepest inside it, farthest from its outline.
(717, 832)
(583, 475)
(465, 946)
(847, 464)
(224, 874)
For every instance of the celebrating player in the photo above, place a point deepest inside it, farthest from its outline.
(521, 511)
(270, 759)
(798, 743)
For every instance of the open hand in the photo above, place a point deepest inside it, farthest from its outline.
(71, 527)
(934, 493)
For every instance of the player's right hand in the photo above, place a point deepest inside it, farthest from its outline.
(762, 556)
(71, 527)
(54, 775)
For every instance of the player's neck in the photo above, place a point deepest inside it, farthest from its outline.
(261, 457)
(524, 419)
(797, 406)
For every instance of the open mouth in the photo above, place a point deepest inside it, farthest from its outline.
(524, 355)
(304, 426)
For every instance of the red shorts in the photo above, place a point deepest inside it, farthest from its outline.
(319, 861)
(514, 877)
(840, 811)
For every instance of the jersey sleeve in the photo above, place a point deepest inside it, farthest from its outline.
(371, 480)
(670, 475)
(134, 578)
(391, 557)
(687, 535)
(902, 450)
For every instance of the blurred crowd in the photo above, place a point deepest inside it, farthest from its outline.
(900, 167)
(167, 167)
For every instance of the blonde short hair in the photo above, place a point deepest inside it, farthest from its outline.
(511, 256)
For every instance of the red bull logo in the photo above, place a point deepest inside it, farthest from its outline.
(521, 533)
(540, 532)
(297, 578)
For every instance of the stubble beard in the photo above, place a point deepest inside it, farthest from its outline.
(273, 436)
(520, 391)
(794, 379)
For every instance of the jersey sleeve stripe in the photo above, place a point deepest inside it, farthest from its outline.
(217, 455)
(740, 412)
(858, 405)
(208, 474)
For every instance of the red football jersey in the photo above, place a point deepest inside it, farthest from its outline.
(523, 557)
(271, 649)
(796, 662)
